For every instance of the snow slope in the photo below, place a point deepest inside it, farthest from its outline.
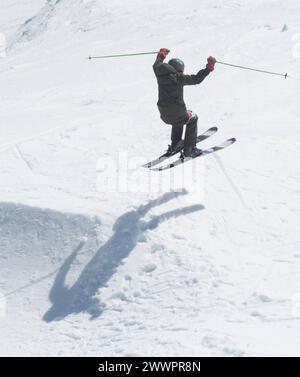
(211, 270)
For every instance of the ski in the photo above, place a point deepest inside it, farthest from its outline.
(205, 152)
(166, 155)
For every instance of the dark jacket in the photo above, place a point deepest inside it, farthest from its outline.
(170, 90)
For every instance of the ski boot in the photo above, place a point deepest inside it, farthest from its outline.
(175, 149)
(192, 152)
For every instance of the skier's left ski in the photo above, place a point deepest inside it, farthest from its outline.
(183, 159)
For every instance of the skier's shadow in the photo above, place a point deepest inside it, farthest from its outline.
(128, 229)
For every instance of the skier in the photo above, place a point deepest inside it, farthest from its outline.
(171, 105)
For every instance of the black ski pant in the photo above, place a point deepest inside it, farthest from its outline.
(190, 131)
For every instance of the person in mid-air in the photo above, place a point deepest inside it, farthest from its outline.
(171, 80)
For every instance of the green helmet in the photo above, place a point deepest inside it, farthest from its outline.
(177, 64)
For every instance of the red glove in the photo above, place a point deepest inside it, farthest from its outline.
(163, 52)
(211, 61)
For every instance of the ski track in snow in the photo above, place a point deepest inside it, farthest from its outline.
(89, 273)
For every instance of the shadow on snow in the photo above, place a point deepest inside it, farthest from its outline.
(128, 229)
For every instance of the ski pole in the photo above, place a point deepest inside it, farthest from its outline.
(254, 69)
(121, 55)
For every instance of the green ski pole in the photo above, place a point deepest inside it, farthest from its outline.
(122, 55)
(254, 69)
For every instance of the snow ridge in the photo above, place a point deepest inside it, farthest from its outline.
(36, 25)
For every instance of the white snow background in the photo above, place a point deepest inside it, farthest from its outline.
(191, 273)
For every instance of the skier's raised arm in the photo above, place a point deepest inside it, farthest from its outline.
(159, 66)
(200, 76)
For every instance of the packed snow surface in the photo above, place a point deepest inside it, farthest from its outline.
(131, 268)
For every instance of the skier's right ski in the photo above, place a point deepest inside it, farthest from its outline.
(182, 159)
(166, 155)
